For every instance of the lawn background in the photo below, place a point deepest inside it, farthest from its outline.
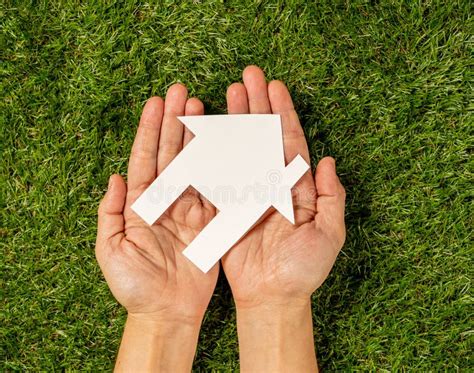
(384, 87)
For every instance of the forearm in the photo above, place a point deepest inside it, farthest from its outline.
(157, 346)
(276, 338)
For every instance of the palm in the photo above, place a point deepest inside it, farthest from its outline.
(154, 258)
(142, 264)
(277, 259)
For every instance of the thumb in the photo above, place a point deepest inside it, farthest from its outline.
(331, 201)
(111, 221)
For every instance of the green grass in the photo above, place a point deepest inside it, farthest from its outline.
(383, 86)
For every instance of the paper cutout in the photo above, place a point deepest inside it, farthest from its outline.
(237, 163)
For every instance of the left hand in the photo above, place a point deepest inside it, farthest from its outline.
(143, 264)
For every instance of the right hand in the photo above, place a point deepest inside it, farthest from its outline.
(278, 263)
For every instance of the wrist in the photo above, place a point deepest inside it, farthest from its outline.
(152, 343)
(270, 315)
(163, 322)
(276, 336)
(275, 304)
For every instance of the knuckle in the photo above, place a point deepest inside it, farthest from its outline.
(148, 124)
(169, 150)
(140, 188)
(142, 153)
(102, 206)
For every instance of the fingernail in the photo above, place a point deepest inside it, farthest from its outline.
(110, 183)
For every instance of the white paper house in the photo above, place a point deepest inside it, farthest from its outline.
(237, 163)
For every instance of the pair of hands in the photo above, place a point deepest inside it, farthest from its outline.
(276, 266)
